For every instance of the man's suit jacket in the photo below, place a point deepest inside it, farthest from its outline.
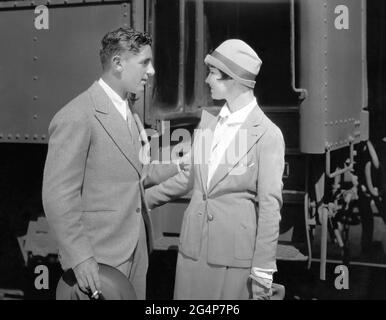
(92, 192)
(243, 201)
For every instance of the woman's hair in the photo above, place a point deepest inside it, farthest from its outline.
(224, 76)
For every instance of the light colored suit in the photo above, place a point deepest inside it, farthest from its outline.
(240, 210)
(92, 186)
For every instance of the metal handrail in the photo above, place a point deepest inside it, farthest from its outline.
(199, 82)
(302, 92)
(181, 59)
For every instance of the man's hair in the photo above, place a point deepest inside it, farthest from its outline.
(122, 39)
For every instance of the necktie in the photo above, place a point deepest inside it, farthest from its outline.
(143, 138)
(216, 141)
(133, 127)
(129, 119)
(218, 133)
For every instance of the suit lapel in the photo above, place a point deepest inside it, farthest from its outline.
(144, 152)
(115, 125)
(203, 147)
(246, 137)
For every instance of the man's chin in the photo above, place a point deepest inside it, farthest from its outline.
(138, 90)
(141, 88)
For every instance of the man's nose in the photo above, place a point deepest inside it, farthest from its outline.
(207, 79)
(150, 70)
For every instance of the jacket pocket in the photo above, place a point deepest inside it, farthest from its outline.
(191, 234)
(244, 242)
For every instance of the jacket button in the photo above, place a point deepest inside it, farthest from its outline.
(204, 197)
(210, 217)
(138, 210)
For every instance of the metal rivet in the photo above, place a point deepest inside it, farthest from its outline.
(17, 136)
(35, 97)
(35, 38)
(43, 137)
(35, 58)
(35, 136)
(1, 136)
(125, 14)
(26, 136)
(10, 136)
(35, 116)
(35, 77)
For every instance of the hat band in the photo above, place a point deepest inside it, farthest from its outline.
(235, 68)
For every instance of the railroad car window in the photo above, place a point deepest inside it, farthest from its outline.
(266, 28)
(165, 45)
(264, 25)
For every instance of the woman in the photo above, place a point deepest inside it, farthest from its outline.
(230, 229)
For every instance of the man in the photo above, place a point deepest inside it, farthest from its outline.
(230, 230)
(92, 186)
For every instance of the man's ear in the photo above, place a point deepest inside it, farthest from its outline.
(116, 62)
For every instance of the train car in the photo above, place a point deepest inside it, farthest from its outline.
(313, 85)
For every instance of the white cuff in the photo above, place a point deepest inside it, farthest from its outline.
(263, 273)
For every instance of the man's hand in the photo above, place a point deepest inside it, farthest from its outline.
(184, 166)
(87, 276)
(186, 161)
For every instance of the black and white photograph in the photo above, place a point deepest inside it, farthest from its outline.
(208, 151)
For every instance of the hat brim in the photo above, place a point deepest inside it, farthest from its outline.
(221, 66)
